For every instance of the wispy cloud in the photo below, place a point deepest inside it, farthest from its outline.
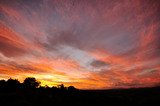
(86, 43)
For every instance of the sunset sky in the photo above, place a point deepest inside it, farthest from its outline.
(90, 44)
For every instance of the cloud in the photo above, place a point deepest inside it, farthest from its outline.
(11, 44)
(10, 50)
(98, 63)
(95, 43)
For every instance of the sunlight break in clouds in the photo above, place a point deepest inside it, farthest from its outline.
(90, 44)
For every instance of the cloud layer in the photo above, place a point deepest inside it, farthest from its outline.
(91, 44)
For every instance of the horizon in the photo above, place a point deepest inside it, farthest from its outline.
(89, 44)
(16, 84)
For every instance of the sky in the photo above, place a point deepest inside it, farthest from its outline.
(90, 44)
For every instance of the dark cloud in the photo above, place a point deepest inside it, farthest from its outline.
(56, 38)
(98, 63)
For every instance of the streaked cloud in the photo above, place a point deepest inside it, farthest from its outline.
(84, 43)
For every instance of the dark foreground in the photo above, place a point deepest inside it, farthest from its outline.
(55, 97)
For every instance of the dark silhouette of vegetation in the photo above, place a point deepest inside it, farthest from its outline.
(2, 84)
(12, 84)
(31, 82)
(71, 88)
(31, 93)
(61, 87)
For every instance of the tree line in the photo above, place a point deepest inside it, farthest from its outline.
(29, 83)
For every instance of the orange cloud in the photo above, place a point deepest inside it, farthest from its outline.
(87, 44)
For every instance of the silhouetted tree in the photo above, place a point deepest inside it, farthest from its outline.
(54, 88)
(31, 82)
(46, 87)
(2, 84)
(71, 88)
(13, 84)
(61, 87)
